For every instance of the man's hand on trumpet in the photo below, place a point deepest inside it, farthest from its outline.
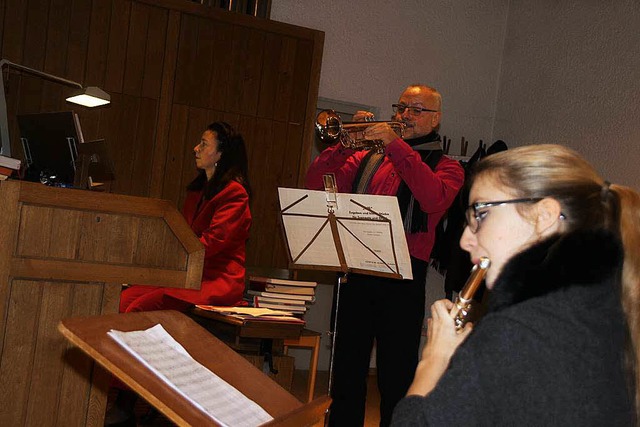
(380, 131)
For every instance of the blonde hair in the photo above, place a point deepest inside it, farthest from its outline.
(588, 202)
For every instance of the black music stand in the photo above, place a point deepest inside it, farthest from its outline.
(326, 230)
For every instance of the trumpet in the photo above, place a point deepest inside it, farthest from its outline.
(330, 128)
(463, 301)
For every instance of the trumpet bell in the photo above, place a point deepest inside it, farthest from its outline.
(328, 126)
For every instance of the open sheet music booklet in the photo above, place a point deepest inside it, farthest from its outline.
(254, 313)
(369, 229)
(166, 358)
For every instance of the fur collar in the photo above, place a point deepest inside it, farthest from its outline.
(580, 258)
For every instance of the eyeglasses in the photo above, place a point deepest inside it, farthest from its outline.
(477, 212)
(414, 111)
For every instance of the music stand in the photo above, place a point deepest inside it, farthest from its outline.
(359, 233)
(89, 333)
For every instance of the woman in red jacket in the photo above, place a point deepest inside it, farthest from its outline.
(217, 209)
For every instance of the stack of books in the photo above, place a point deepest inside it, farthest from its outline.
(8, 165)
(293, 296)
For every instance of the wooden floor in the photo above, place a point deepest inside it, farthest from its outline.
(298, 389)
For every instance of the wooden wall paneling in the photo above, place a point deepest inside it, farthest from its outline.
(46, 373)
(66, 226)
(121, 134)
(282, 101)
(220, 66)
(246, 54)
(158, 40)
(57, 41)
(237, 122)
(56, 54)
(15, 24)
(86, 301)
(111, 238)
(163, 126)
(201, 79)
(98, 43)
(135, 50)
(16, 365)
(78, 44)
(29, 91)
(8, 232)
(34, 240)
(300, 90)
(118, 35)
(144, 147)
(291, 154)
(157, 246)
(172, 171)
(269, 75)
(309, 135)
(186, 59)
(35, 41)
(267, 160)
(293, 134)
(247, 127)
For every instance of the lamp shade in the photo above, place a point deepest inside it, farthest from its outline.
(90, 97)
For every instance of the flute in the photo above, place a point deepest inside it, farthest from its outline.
(463, 301)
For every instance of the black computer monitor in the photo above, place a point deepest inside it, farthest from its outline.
(50, 142)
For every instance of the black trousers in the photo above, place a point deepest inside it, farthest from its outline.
(390, 312)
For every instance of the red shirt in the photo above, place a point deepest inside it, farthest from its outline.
(434, 190)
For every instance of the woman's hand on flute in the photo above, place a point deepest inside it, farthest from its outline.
(442, 341)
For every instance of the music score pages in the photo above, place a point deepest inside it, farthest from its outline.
(368, 227)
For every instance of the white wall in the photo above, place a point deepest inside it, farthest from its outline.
(373, 49)
(563, 71)
(571, 75)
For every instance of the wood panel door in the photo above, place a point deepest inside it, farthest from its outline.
(172, 67)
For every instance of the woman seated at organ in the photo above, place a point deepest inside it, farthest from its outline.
(217, 209)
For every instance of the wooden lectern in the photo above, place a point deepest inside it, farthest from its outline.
(64, 253)
(90, 334)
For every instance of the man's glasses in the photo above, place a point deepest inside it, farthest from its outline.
(477, 212)
(414, 111)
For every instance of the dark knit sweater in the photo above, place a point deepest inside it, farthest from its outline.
(550, 350)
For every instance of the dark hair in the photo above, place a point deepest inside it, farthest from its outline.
(233, 163)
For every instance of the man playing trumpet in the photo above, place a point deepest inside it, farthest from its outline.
(389, 311)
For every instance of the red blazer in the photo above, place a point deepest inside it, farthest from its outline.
(222, 225)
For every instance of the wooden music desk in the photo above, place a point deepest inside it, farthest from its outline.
(248, 328)
(90, 335)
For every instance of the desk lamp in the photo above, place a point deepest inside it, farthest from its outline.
(89, 97)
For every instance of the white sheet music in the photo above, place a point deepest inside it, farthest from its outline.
(158, 351)
(370, 229)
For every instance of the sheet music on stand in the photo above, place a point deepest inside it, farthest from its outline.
(166, 358)
(359, 233)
